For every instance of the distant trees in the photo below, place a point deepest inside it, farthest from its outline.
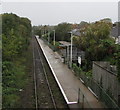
(62, 31)
(42, 29)
(36, 30)
(82, 24)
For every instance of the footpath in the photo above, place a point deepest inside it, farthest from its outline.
(71, 87)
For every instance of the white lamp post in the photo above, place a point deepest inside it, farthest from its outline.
(71, 50)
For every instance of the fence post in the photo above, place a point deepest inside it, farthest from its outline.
(78, 95)
(83, 101)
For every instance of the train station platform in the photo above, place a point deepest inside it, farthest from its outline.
(70, 86)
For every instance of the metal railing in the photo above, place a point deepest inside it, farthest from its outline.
(100, 93)
(82, 100)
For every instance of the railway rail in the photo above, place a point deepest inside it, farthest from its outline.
(47, 93)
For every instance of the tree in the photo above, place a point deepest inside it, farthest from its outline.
(83, 24)
(15, 37)
(62, 31)
(95, 41)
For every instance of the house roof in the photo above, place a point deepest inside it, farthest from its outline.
(76, 32)
(64, 43)
(115, 32)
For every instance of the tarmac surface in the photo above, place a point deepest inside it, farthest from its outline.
(68, 83)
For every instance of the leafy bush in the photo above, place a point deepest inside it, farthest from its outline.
(76, 69)
(10, 101)
(16, 33)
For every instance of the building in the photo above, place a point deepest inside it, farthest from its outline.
(106, 76)
(76, 32)
(115, 32)
(65, 51)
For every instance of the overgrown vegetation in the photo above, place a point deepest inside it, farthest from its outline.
(79, 71)
(95, 40)
(16, 34)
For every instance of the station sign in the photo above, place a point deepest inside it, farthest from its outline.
(79, 60)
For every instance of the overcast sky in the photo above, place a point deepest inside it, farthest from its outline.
(56, 12)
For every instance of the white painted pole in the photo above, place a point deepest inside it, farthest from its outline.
(71, 50)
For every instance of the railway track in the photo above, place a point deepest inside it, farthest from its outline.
(47, 93)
